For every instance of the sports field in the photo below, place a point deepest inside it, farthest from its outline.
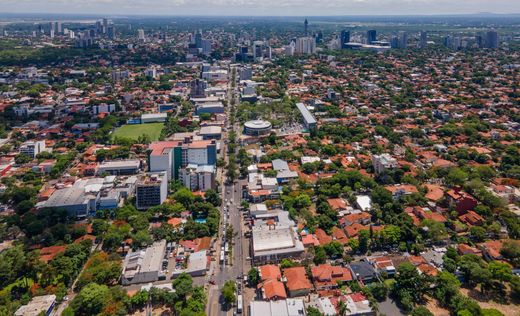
(133, 131)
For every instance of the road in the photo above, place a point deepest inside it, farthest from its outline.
(235, 268)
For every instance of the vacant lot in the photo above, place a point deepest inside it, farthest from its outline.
(133, 131)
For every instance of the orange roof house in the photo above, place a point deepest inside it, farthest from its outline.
(338, 204)
(326, 276)
(272, 290)
(297, 282)
(48, 253)
(435, 192)
(323, 237)
(269, 271)
(472, 219)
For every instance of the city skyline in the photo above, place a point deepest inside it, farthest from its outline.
(264, 8)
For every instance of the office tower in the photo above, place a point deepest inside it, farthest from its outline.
(258, 50)
(198, 39)
(306, 27)
(151, 189)
(52, 33)
(105, 26)
(394, 42)
(492, 39)
(206, 47)
(198, 88)
(480, 40)
(111, 32)
(71, 34)
(140, 35)
(319, 37)
(423, 41)
(447, 41)
(59, 28)
(371, 36)
(40, 29)
(344, 39)
(403, 39)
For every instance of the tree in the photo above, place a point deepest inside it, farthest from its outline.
(183, 285)
(447, 286)
(478, 233)
(228, 292)
(511, 251)
(456, 177)
(21, 159)
(313, 311)
(409, 286)
(342, 308)
(90, 300)
(320, 256)
(213, 197)
(253, 277)
(184, 196)
(491, 312)
(421, 311)
(500, 271)
(379, 291)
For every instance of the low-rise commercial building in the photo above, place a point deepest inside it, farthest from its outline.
(144, 266)
(37, 306)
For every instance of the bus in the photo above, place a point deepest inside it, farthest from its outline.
(239, 304)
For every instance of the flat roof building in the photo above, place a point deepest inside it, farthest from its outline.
(257, 127)
(120, 167)
(151, 190)
(308, 119)
(274, 244)
(288, 307)
(144, 266)
(37, 305)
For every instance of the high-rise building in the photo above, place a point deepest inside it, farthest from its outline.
(59, 28)
(105, 26)
(198, 88)
(206, 47)
(258, 50)
(423, 41)
(111, 31)
(305, 45)
(371, 36)
(151, 190)
(140, 35)
(306, 27)
(198, 39)
(394, 42)
(492, 39)
(344, 39)
(403, 39)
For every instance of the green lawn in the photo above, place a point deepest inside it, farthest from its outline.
(133, 131)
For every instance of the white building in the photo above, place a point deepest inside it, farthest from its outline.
(288, 307)
(144, 266)
(305, 45)
(153, 117)
(38, 305)
(383, 163)
(198, 177)
(32, 148)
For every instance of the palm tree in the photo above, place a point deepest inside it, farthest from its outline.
(342, 308)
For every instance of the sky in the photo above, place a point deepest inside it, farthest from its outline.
(260, 7)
